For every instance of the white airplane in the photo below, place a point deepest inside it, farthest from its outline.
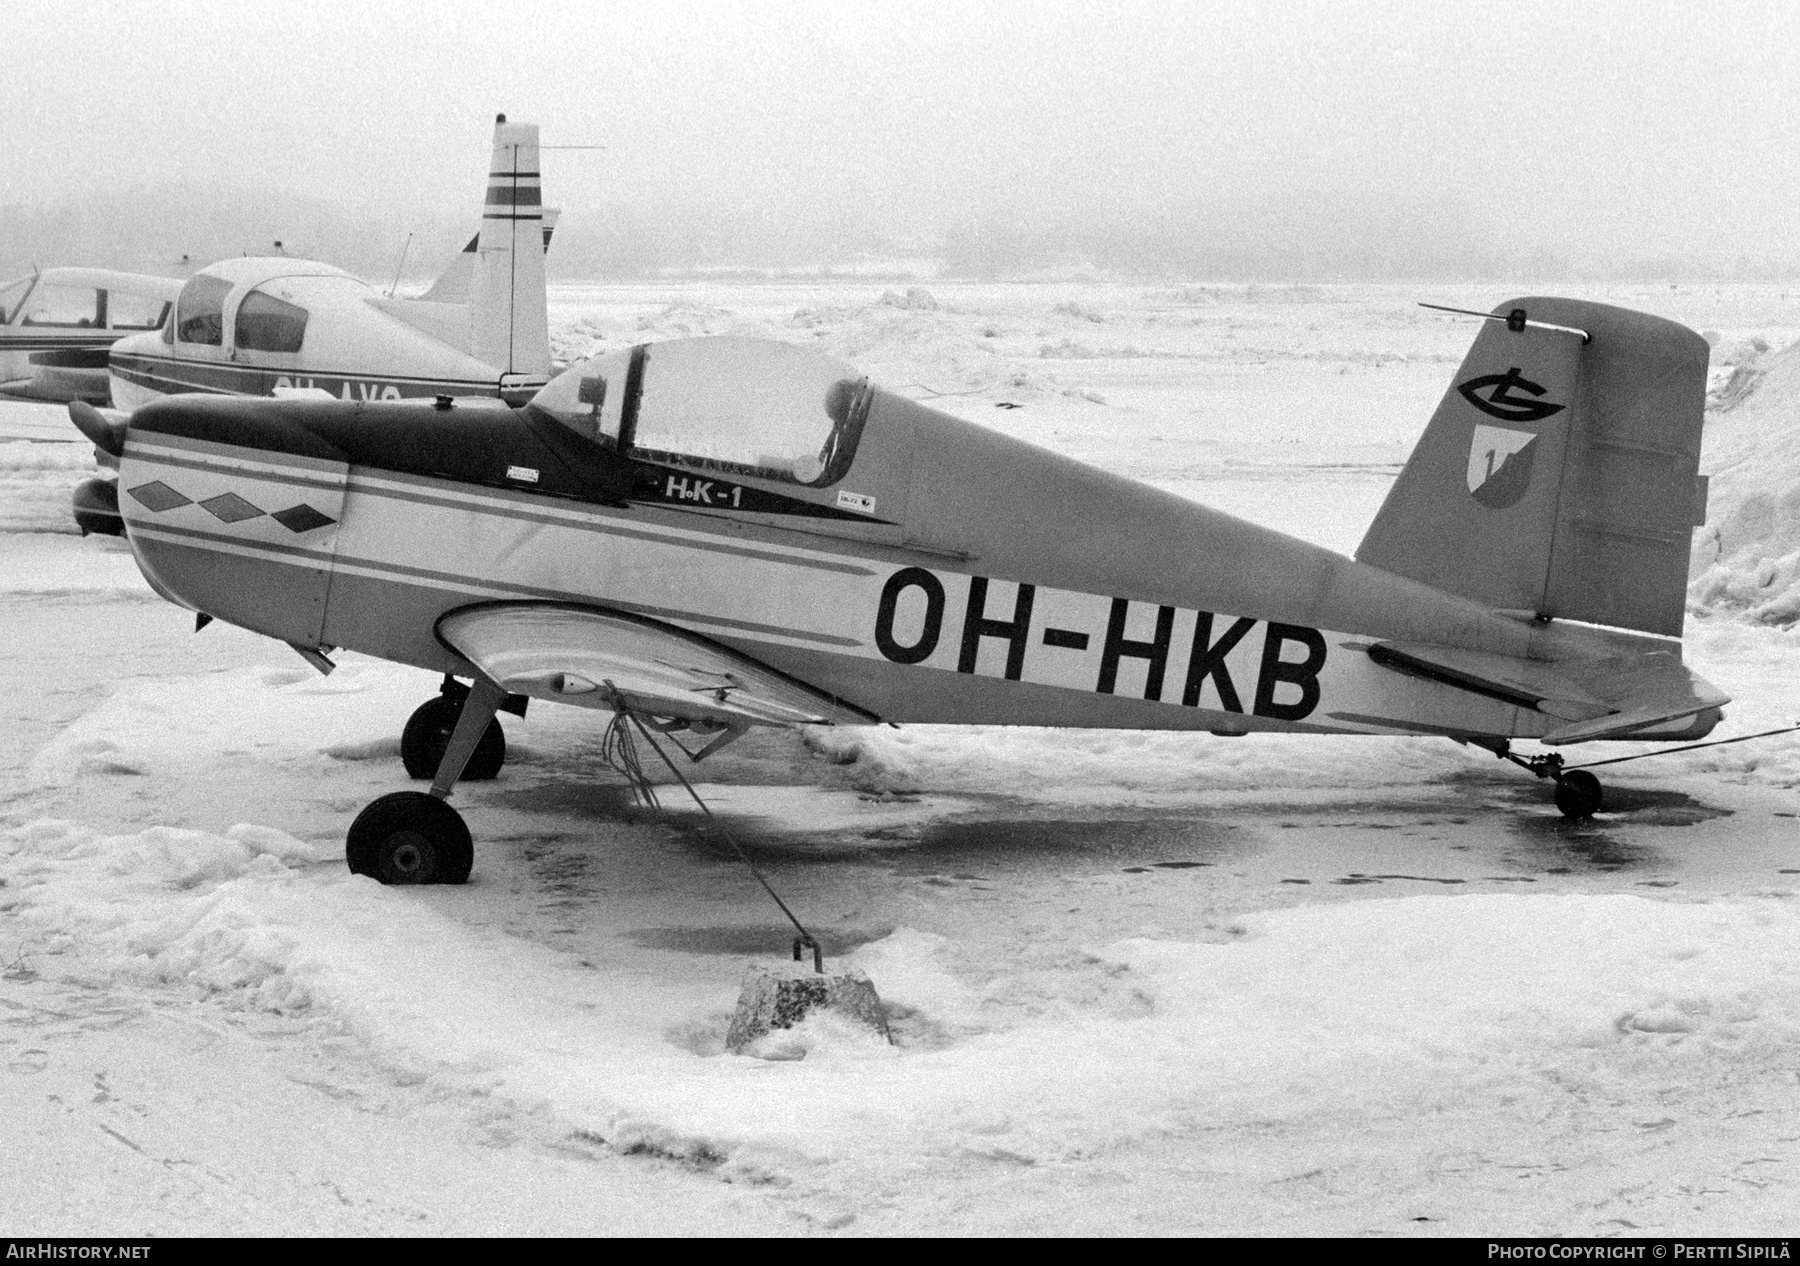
(56, 327)
(264, 326)
(256, 326)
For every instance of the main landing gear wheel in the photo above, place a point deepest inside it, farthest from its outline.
(427, 734)
(1578, 794)
(408, 837)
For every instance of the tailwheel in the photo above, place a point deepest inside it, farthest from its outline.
(1578, 794)
(428, 732)
(1577, 791)
(408, 837)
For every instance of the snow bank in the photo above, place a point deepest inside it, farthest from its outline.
(1747, 558)
(1406, 1005)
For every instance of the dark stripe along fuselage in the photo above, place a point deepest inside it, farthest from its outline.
(481, 447)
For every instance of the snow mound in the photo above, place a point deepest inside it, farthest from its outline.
(1747, 557)
(1407, 1005)
(916, 299)
(1738, 365)
(686, 319)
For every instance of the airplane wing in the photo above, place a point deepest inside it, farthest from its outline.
(598, 658)
(62, 375)
(1613, 698)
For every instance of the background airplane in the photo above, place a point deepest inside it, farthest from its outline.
(253, 326)
(56, 327)
(270, 325)
(721, 533)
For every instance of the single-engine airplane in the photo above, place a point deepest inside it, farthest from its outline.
(276, 325)
(57, 326)
(722, 533)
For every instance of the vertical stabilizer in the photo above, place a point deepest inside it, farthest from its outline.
(452, 285)
(511, 323)
(1558, 475)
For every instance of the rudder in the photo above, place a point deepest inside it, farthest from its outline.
(1558, 474)
(510, 312)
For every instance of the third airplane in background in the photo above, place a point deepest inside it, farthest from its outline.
(58, 326)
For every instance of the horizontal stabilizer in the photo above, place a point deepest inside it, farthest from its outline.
(448, 323)
(1616, 697)
(1632, 722)
(1647, 692)
(452, 285)
(599, 658)
(1525, 682)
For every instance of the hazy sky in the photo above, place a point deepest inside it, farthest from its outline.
(1657, 127)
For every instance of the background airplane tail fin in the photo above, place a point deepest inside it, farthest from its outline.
(509, 313)
(452, 285)
(1558, 475)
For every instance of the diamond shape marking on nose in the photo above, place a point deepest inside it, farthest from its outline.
(228, 507)
(157, 496)
(301, 518)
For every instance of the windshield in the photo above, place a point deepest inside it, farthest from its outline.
(200, 310)
(126, 310)
(741, 406)
(10, 295)
(74, 307)
(266, 324)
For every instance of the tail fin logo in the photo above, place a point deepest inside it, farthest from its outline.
(1500, 402)
(1500, 465)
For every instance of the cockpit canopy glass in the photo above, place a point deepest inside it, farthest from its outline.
(739, 406)
(126, 310)
(267, 324)
(200, 310)
(72, 307)
(11, 293)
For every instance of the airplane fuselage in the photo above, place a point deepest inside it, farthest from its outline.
(954, 575)
(257, 326)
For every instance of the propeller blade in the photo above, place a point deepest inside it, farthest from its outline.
(108, 436)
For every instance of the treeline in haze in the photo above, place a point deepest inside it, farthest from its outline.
(1318, 238)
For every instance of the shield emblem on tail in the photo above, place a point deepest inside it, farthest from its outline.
(1500, 465)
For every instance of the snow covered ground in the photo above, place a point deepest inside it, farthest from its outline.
(1140, 983)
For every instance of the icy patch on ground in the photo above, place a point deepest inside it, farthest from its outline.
(811, 809)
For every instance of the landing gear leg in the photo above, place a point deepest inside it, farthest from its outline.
(408, 837)
(1578, 793)
(428, 731)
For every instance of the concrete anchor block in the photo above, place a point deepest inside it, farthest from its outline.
(779, 998)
